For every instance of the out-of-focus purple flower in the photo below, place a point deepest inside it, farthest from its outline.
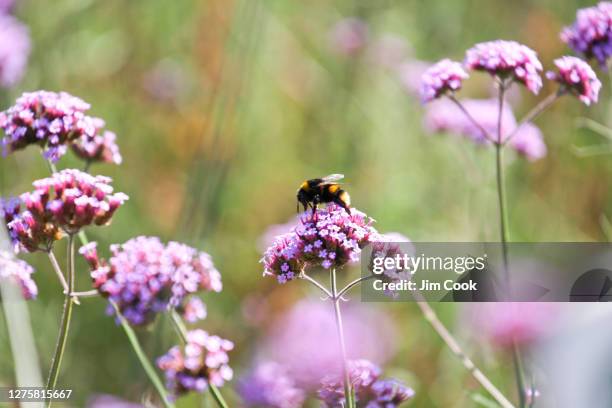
(202, 361)
(591, 33)
(370, 390)
(310, 323)
(578, 77)
(269, 385)
(19, 272)
(65, 202)
(167, 81)
(6, 6)
(507, 59)
(109, 401)
(99, 148)
(389, 51)
(442, 77)
(330, 238)
(445, 116)
(506, 322)
(410, 73)
(51, 120)
(529, 142)
(391, 245)
(273, 231)
(349, 36)
(193, 310)
(144, 277)
(14, 48)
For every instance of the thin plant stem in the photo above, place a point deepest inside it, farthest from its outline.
(535, 112)
(58, 270)
(503, 222)
(60, 347)
(455, 348)
(317, 284)
(85, 294)
(353, 284)
(182, 332)
(471, 118)
(348, 394)
(144, 361)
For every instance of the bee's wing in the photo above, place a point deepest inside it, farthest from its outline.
(332, 178)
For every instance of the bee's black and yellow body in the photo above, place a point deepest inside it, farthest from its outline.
(323, 190)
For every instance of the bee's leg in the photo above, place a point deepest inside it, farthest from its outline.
(342, 204)
(315, 203)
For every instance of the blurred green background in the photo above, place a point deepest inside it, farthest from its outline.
(222, 108)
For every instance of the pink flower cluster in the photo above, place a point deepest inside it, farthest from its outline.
(370, 390)
(98, 148)
(269, 385)
(507, 59)
(201, 362)
(444, 76)
(144, 277)
(14, 49)
(578, 77)
(591, 33)
(65, 202)
(330, 238)
(54, 121)
(19, 272)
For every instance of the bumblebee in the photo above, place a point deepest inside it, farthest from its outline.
(323, 190)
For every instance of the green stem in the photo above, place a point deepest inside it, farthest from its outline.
(64, 323)
(182, 332)
(348, 393)
(144, 361)
(503, 224)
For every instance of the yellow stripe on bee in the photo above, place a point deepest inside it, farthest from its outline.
(304, 185)
(333, 188)
(346, 198)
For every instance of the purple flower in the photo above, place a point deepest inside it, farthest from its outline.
(409, 74)
(349, 36)
(50, 120)
(193, 310)
(445, 116)
(310, 323)
(507, 59)
(144, 277)
(578, 77)
(98, 148)
(202, 361)
(330, 231)
(591, 33)
(444, 76)
(370, 390)
(269, 385)
(6, 6)
(109, 401)
(19, 272)
(66, 202)
(14, 48)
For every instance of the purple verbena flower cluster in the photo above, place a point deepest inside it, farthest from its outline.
(65, 202)
(507, 59)
(444, 76)
(144, 277)
(577, 77)
(269, 385)
(591, 33)
(54, 121)
(202, 361)
(98, 148)
(19, 272)
(330, 238)
(370, 390)
(14, 49)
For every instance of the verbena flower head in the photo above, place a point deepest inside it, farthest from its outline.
(269, 385)
(507, 59)
(445, 116)
(19, 272)
(14, 49)
(444, 76)
(110, 401)
(48, 119)
(144, 277)
(66, 202)
(591, 33)
(577, 77)
(349, 36)
(309, 324)
(370, 390)
(331, 238)
(202, 361)
(6, 6)
(98, 148)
